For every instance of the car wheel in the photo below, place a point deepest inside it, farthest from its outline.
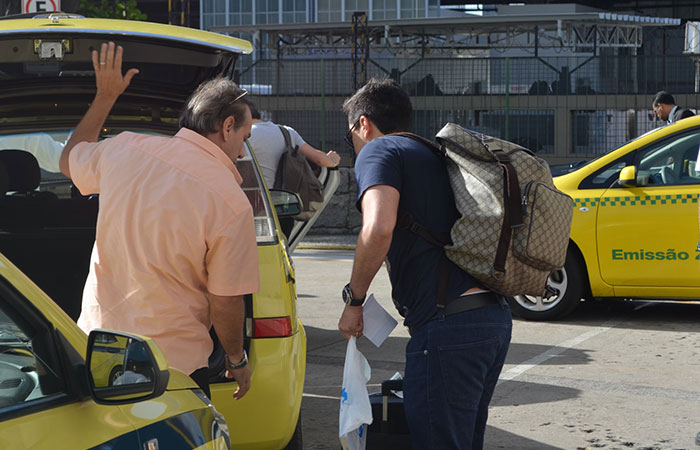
(114, 374)
(297, 441)
(567, 283)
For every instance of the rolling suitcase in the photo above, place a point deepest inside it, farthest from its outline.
(389, 429)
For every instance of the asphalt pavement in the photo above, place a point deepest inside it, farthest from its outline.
(613, 375)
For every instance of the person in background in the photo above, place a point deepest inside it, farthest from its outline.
(45, 149)
(175, 249)
(455, 353)
(267, 141)
(665, 108)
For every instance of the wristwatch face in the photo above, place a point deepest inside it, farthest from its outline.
(347, 297)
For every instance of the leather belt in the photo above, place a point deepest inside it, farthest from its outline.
(469, 302)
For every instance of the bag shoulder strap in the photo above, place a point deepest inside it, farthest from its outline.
(288, 140)
(512, 212)
(405, 221)
(432, 145)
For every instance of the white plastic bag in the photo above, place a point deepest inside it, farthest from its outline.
(355, 410)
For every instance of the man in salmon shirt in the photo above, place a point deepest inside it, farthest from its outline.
(175, 250)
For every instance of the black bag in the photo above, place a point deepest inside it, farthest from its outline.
(294, 174)
(389, 429)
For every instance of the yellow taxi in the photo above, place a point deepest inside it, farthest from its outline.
(634, 233)
(54, 393)
(47, 228)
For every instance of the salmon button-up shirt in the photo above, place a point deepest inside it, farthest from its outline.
(173, 225)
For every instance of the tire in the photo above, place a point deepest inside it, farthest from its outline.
(297, 441)
(114, 374)
(569, 283)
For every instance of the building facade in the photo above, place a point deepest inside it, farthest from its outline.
(265, 12)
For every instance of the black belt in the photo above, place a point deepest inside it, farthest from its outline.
(471, 301)
(464, 303)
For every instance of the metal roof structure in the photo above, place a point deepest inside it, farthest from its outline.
(578, 30)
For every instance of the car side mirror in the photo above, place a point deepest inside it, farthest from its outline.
(628, 176)
(124, 368)
(287, 203)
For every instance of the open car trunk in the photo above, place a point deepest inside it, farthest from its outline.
(47, 82)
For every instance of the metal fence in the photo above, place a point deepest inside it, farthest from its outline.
(564, 107)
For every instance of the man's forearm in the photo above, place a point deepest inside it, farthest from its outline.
(228, 314)
(88, 130)
(110, 84)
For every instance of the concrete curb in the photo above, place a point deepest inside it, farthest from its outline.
(322, 246)
(328, 242)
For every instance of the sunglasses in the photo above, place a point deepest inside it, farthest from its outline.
(240, 96)
(348, 135)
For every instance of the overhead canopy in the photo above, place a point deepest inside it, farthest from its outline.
(592, 29)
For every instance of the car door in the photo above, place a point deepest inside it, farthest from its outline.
(330, 179)
(647, 234)
(39, 406)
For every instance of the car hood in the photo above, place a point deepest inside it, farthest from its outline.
(47, 79)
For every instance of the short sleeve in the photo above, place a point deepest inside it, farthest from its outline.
(232, 257)
(296, 138)
(379, 163)
(84, 165)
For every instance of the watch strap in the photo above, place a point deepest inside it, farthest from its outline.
(349, 299)
(239, 365)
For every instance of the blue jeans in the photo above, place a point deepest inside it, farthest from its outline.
(452, 366)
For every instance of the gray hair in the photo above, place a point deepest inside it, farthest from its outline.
(211, 103)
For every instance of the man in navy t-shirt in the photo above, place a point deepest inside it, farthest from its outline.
(458, 342)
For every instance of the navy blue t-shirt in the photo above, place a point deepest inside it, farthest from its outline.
(420, 176)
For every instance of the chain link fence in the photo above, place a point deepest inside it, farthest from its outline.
(563, 107)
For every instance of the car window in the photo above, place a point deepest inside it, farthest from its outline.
(29, 368)
(670, 162)
(607, 176)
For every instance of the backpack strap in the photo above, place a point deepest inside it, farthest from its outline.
(512, 214)
(432, 145)
(288, 141)
(405, 221)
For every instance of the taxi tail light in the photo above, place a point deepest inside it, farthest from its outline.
(272, 327)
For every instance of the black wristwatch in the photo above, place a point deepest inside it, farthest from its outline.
(239, 365)
(349, 299)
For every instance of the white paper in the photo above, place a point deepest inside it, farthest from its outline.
(397, 376)
(378, 323)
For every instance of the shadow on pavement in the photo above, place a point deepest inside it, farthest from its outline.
(637, 315)
(516, 393)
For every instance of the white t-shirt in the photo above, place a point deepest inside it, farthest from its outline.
(46, 151)
(267, 142)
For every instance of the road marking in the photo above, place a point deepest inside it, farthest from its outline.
(327, 397)
(518, 370)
